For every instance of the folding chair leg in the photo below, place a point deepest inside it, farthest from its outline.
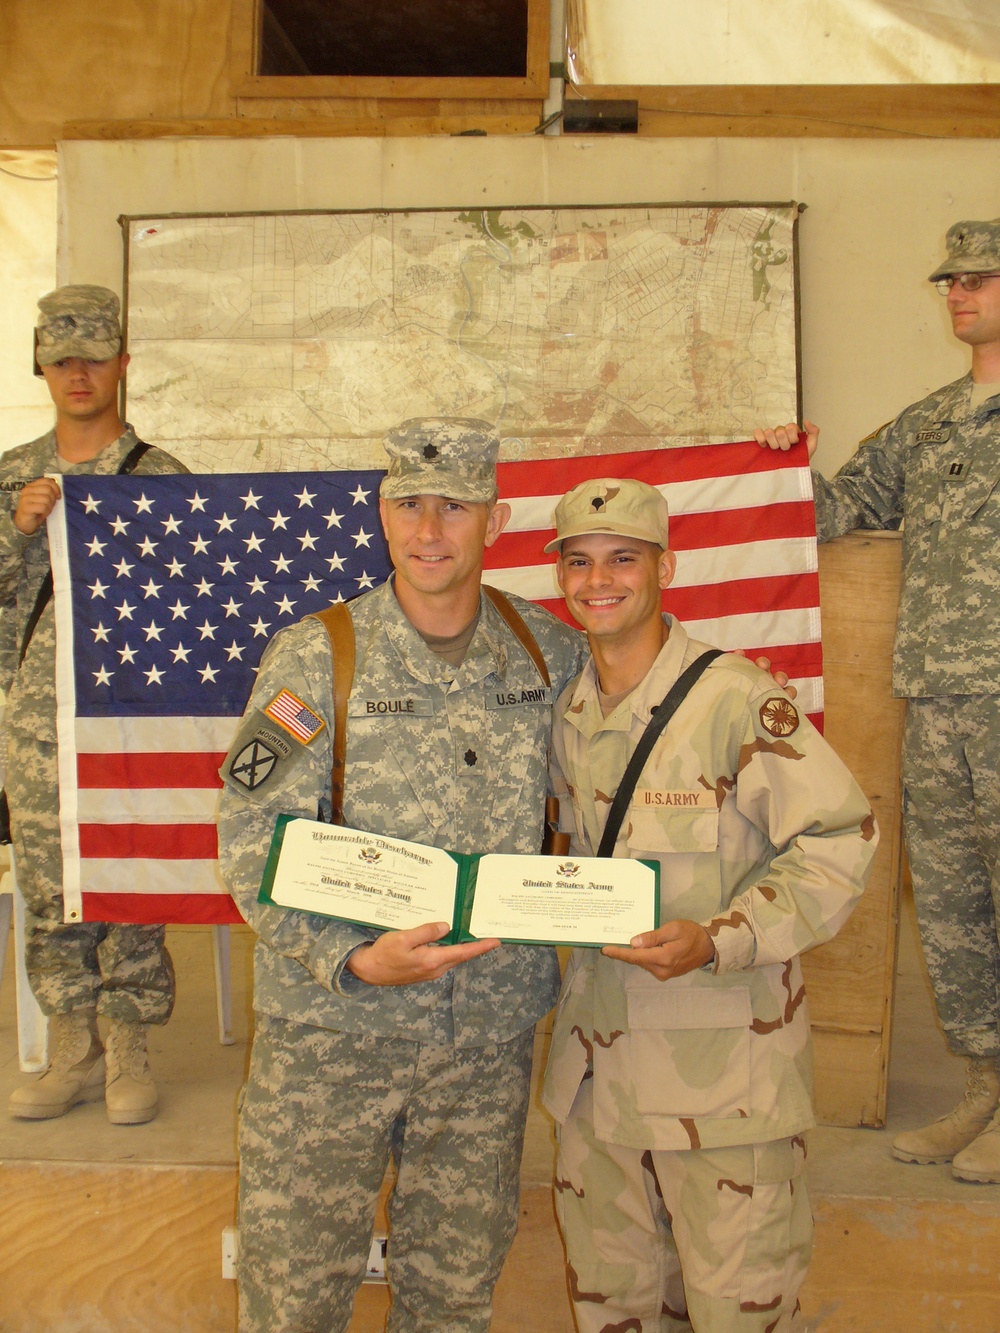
(223, 984)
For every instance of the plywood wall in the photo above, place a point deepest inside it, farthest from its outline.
(175, 66)
(850, 980)
(116, 70)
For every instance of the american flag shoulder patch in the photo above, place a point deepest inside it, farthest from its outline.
(292, 714)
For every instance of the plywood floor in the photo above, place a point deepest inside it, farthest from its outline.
(866, 1202)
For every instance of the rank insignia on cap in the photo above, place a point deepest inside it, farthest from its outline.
(292, 714)
(779, 717)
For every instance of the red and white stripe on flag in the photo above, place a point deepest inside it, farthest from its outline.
(145, 820)
(741, 524)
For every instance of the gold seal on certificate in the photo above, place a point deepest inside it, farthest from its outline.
(390, 884)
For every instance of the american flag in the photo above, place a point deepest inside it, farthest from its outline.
(742, 526)
(168, 588)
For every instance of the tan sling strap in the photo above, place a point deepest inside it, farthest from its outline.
(554, 843)
(336, 620)
(339, 627)
(519, 629)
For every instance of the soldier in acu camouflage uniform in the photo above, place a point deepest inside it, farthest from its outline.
(77, 970)
(938, 467)
(374, 1044)
(680, 1064)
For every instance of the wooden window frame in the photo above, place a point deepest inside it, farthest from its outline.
(245, 59)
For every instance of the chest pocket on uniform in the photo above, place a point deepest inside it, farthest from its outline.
(980, 491)
(664, 829)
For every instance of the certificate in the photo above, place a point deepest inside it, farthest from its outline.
(390, 884)
(579, 900)
(361, 877)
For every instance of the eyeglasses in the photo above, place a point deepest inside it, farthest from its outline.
(969, 282)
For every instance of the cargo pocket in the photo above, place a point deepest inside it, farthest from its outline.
(690, 1050)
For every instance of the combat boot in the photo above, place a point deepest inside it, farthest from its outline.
(75, 1072)
(940, 1141)
(129, 1092)
(980, 1161)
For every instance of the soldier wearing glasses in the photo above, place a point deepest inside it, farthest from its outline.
(938, 467)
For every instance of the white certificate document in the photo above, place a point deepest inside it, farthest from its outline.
(578, 900)
(361, 877)
(390, 884)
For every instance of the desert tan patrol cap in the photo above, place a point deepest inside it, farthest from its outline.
(973, 247)
(450, 456)
(78, 320)
(621, 507)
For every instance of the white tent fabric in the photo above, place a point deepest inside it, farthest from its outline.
(27, 271)
(670, 42)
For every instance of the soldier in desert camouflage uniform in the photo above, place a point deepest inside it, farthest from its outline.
(370, 1045)
(680, 1064)
(77, 970)
(938, 467)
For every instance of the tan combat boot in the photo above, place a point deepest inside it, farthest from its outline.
(75, 1072)
(129, 1092)
(940, 1141)
(980, 1161)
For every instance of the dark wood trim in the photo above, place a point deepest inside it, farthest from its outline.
(245, 58)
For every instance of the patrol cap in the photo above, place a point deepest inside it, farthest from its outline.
(451, 456)
(973, 247)
(622, 507)
(78, 320)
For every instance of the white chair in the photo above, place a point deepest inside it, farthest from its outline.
(32, 1025)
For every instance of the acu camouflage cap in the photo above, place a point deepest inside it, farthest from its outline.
(973, 247)
(450, 456)
(622, 507)
(78, 320)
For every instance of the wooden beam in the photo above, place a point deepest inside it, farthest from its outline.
(812, 111)
(391, 123)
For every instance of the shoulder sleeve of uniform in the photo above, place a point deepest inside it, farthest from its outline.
(868, 491)
(157, 462)
(280, 764)
(793, 787)
(286, 723)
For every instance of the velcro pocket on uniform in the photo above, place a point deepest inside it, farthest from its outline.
(977, 491)
(674, 829)
(690, 1051)
(690, 1007)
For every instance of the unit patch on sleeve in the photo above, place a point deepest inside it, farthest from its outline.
(778, 716)
(263, 756)
(292, 714)
(253, 765)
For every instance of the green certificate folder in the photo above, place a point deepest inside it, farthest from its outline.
(390, 884)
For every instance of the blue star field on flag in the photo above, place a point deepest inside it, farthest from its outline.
(179, 582)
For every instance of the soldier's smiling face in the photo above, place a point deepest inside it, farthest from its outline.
(436, 543)
(612, 584)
